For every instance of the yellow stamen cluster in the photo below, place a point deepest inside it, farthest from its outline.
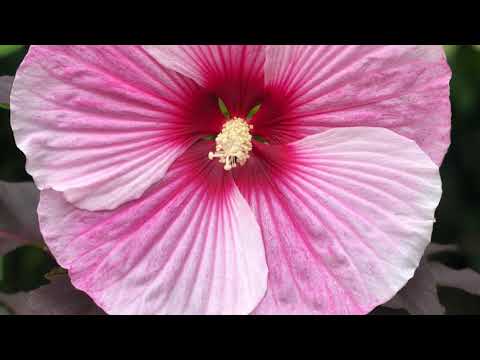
(234, 144)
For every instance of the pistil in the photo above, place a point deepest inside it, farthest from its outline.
(233, 144)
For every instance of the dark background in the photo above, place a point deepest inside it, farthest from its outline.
(457, 216)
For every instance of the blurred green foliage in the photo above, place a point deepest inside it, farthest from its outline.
(10, 58)
(24, 269)
(459, 212)
(12, 161)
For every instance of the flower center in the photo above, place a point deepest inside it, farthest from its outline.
(234, 144)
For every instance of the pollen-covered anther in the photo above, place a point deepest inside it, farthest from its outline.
(234, 144)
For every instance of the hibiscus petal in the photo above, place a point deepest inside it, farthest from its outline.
(232, 72)
(345, 217)
(190, 245)
(103, 123)
(314, 88)
(5, 87)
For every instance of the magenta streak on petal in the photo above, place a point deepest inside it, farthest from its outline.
(345, 218)
(310, 89)
(345, 213)
(104, 123)
(190, 245)
(232, 72)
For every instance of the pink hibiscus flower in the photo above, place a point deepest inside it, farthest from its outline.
(323, 202)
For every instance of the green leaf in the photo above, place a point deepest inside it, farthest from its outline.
(223, 108)
(24, 269)
(209, 137)
(260, 139)
(56, 271)
(7, 50)
(11, 56)
(253, 111)
(450, 50)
